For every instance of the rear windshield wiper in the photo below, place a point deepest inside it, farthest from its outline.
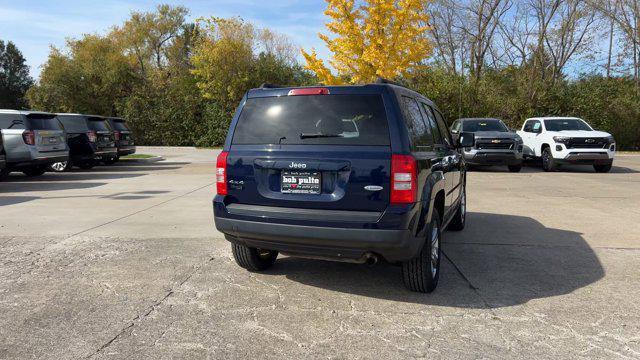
(318, 135)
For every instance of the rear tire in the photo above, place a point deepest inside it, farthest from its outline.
(86, 165)
(421, 273)
(515, 168)
(111, 161)
(548, 163)
(459, 219)
(34, 171)
(253, 259)
(602, 168)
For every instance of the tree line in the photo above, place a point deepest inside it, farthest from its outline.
(178, 82)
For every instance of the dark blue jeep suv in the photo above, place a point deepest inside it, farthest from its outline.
(348, 173)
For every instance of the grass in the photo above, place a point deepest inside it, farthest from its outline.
(137, 156)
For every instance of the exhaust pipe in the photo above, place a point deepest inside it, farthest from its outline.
(370, 259)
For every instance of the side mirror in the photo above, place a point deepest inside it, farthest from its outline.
(453, 131)
(466, 139)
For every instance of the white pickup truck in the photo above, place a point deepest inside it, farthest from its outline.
(559, 140)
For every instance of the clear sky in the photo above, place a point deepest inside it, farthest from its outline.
(34, 25)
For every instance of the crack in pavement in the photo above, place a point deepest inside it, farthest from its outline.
(473, 287)
(140, 317)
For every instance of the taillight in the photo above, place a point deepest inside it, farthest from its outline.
(309, 91)
(403, 179)
(93, 137)
(29, 137)
(116, 134)
(221, 173)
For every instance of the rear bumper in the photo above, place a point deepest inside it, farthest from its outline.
(105, 153)
(336, 235)
(126, 150)
(492, 157)
(337, 243)
(42, 160)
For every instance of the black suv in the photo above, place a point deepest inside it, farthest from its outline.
(90, 140)
(3, 160)
(494, 144)
(123, 136)
(350, 173)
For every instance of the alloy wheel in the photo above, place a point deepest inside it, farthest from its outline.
(59, 166)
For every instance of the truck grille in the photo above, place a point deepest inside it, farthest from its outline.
(587, 143)
(494, 144)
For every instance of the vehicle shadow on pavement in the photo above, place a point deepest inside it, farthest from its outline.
(497, 261)
(16, 186)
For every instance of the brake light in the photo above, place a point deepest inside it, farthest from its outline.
(116, 134)
(93, 137)
(309, 91)
(403, 179)
(29, 137)
(221, 173)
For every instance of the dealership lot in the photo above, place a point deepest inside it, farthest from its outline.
(124, 262)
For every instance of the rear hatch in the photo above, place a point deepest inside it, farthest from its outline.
(48, 132)
(122, 133)
(104, 134)
(313, 151)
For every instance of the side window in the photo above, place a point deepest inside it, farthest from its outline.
(420, 132)
(437, 136)
(11, 121)
(537, 126)
(532, 126)
(443, 128)
(455, 128)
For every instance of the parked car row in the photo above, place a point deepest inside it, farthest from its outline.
(33, 142)
(553, 140)
(367, 173)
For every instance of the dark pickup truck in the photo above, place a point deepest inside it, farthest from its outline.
(494, 144)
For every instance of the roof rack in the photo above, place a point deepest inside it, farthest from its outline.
(269, 86)
(382, 80)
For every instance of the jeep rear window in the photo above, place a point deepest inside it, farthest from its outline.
(37, 122)
(315, 119)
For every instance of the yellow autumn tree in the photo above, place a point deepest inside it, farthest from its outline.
(379, 38)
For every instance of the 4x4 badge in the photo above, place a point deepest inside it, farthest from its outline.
(373, 188)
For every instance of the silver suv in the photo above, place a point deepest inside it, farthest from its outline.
(32, 141)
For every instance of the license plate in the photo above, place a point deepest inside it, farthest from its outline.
(300, 182)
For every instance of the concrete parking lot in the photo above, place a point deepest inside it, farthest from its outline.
(124, 262)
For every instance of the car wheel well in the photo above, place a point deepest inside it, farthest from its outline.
(544, 146)
(438, 203)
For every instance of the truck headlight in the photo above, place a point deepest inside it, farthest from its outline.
(561, 139)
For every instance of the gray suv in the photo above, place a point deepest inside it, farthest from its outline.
(32, 141)
(494, 143)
